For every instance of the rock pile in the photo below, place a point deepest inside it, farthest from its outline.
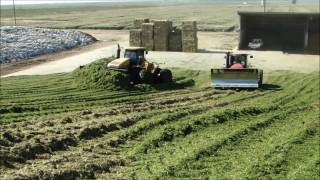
(20, 43)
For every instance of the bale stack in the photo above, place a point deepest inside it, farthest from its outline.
(137, 23)
(175, 40)
(147, 36)
(189, 36)
(162, 29)
(135, 37)
(159, 35)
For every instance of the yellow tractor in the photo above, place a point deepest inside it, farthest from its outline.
(138, 68)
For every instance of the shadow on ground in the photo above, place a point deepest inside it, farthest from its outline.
(265, 87)
(179, 83)
(273, 87)
(175, 85)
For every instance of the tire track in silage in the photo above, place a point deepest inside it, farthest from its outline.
(96, 130)
(281, 95)
(275, 163)
(93, 132)
(294, 102)
(237, 136)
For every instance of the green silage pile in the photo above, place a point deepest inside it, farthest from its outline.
(97, 76)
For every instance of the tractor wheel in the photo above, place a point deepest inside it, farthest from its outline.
(146, 76)
(156, 76)
(165, 76)
(134, 76)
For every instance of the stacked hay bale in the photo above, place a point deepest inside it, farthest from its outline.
(162, 29)
(189, 36)
(147, 36)
(175, 40)
(137, 23)
(135, 37)
(159, 35)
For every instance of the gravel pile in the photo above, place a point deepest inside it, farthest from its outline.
(20, 43)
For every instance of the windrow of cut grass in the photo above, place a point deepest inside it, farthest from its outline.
(52, 128)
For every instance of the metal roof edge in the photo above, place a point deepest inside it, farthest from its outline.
(250, 13)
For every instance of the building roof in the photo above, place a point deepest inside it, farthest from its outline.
(293, 14)
(135, 48)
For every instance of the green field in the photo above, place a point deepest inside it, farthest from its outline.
(51, 128)
(210, 16)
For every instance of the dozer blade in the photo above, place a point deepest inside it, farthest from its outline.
(235, 78)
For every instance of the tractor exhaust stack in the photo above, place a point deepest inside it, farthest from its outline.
(118, 52)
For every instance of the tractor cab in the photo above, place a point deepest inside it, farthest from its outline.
(236, 58)
(135, 54)
(133, 57)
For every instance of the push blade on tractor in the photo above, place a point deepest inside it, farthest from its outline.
(236, 78)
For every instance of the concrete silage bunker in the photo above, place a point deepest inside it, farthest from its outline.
(284, 31)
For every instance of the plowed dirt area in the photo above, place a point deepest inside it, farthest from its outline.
(51, 129)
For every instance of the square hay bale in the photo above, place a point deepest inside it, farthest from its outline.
(135, 37)
(189, 41)
(137, 23)
(189, 35)
(189, 26)
(162, 29)
(190, 45)
(147, 27)
(162, 23)
(175, 40)
(147, 40)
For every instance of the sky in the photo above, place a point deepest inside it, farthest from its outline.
(9, 2)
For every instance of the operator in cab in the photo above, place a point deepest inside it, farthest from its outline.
(237, 64)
